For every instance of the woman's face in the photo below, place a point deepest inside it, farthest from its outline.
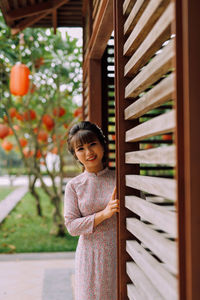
(90, 155)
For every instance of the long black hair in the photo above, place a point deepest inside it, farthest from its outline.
(84, 133)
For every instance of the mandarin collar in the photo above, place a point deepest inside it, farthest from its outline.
(102, 172)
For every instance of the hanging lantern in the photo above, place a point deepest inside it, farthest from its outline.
(19, 79)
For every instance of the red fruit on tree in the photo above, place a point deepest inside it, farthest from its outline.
(12, 112)
(38, 154)
(23, 142)
(10, 131)
(59, 111)
(4, 131)
(42, 136)
(5, 118)
(166, 137)
(77, 112)
(66, 125)
(148, 146)
(6, 145)
(27, 152)
(16, 127)
(19, 116)
(48, 121)
(29, 115)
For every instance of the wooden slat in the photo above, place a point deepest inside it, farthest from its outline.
(86, 91)
(153, 42)
(159, 200)
(133, 293)
(149, 17)
(163, 248)
(142, 282)
(162, 124)
(163, 281)
(127, 6)
(153, 185)
(161, 155)
(86, 101)
(155, 214)
(86, 110)
(134, 15)
(158, 95)
(157, 67)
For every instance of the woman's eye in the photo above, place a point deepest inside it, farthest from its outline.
(92, 144)
(79, 149)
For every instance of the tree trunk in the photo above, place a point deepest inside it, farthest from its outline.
(37, 200)
(59, 227)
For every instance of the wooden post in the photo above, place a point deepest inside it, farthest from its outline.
(188, 145)
(122, 147)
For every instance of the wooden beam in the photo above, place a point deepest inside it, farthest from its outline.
(35, 9)
(27, 22)
(32, 20)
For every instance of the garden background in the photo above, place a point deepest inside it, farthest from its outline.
(33, 132)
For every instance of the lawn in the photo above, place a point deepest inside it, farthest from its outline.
(24, 231)
(4, 191)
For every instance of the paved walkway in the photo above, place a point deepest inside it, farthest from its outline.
(37, 276)
(7, 204)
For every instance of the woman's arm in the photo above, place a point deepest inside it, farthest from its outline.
(76, 224)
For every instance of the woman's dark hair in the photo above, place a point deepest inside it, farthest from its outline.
(84, 133)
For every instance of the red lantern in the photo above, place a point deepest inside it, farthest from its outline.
(7, 146)
(4, 131)
(19, 80)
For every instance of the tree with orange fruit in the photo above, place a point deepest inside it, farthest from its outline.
(35, 124)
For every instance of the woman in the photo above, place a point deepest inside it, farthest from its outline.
(90, 211)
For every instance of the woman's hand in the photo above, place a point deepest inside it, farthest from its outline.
(112, 206)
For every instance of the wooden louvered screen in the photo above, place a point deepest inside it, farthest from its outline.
(145, 149)
(108, 100)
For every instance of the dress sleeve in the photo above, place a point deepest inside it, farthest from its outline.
(75, 223)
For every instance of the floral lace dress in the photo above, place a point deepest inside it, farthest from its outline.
(96, 253)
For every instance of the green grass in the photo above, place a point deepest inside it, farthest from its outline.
(24, 231)
(5, 191)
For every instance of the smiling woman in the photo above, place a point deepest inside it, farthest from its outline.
(90, 211)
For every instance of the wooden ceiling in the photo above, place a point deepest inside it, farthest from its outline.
(20, 14)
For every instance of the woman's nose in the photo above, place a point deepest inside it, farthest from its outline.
(89, 151)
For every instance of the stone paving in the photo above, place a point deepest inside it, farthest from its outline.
(37, 276)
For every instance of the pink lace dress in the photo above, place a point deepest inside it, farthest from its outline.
(96, 253)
